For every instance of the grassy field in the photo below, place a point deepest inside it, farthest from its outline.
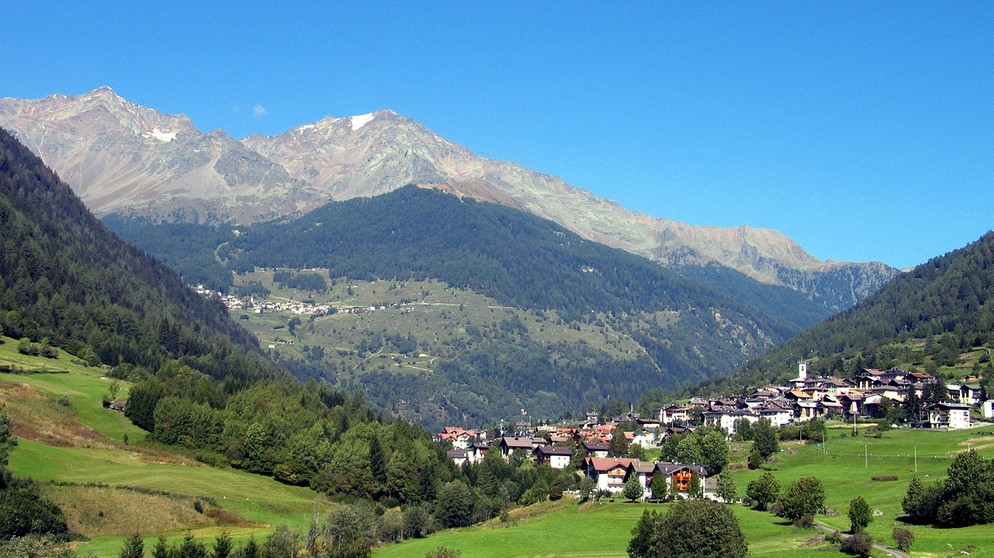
(845, 464)
(69, 442)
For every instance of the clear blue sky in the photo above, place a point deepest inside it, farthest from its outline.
(863, 130)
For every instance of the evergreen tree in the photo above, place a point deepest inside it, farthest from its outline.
(633, 489)
(377, 462)
(134, 547)
(7, 439)
(696, 488)
(765, 439)
(162, 549)
(860, 514)
(618, 447)
(454, 505)
(191, 548)
(921, 502)
(222, 545)
(658, 485)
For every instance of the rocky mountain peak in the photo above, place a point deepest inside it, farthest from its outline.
(121, 157)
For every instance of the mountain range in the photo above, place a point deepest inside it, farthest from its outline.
(122, 158)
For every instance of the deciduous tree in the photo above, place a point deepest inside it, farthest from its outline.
(690, 529)
(805, 496)
(764, 490)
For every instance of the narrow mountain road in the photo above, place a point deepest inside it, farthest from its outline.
(894, 553)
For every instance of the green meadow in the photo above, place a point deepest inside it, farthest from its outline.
(109, 489)
(845, 464)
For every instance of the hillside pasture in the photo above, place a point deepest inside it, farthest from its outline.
(75, 448)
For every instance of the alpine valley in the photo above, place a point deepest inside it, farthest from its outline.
(453, 287)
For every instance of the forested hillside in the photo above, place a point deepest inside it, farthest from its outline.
(926, 317)
(677, 327)
(68, 281)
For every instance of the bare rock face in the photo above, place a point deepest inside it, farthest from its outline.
(123, 158)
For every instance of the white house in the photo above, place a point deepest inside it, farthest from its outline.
(608, 472)
(950, 415)
(556, 457)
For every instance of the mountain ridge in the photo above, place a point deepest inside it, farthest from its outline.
(119, 165)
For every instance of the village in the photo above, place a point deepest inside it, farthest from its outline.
(867, 396)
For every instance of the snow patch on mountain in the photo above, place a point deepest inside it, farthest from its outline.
(164, 137)
(361, 120)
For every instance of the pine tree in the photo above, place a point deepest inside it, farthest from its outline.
(134, 547)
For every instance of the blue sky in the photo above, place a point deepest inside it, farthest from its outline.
(862, 130)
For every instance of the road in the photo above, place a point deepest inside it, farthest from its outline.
(894, 553)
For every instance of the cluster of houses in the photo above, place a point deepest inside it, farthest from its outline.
(555, 448)
(868, 395)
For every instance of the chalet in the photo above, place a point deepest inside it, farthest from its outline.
(459, 437)
(556, 457)
(727, 419)
(950, 415)
(778, 413)
(968, 394)
(608, 472)
(807, 410)
(643, 438)
(678, 479)
(674, 413)
(676, 430)
(642, 470)
(477, 452)
(511, 445)
(987, 409)
(596, 449)
(458, 456)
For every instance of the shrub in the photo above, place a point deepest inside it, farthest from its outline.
(884, 478)
(904, 538)
(806, 521)
(859, 544)
(443, 552)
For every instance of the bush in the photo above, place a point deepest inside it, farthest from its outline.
(884, 478)
(806, 521)
(859, 544)
(904, 538)
(443, 552)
